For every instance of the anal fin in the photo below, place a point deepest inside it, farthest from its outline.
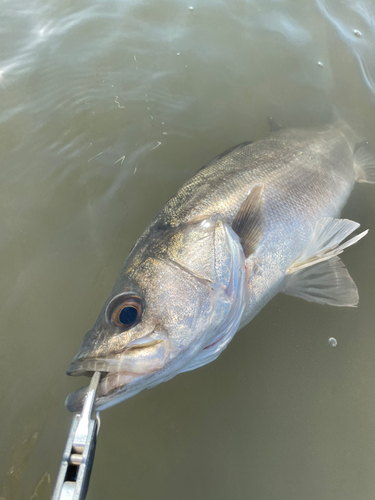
(327, 282)
(327, 241)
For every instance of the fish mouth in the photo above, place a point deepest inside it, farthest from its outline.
(111, 383)
(142, 358)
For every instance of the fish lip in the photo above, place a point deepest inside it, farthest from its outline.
(83, 363)
(113, 380)
(86, 368)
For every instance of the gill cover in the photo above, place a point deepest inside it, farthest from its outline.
(215, 255)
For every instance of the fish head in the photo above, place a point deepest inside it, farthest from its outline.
(180, 289)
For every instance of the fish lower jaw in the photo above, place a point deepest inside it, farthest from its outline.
(115, 380)
(110, 382)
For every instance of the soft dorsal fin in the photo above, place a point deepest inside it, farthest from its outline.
(248, 224)
(364, 161)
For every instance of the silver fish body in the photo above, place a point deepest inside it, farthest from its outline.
(250, 224)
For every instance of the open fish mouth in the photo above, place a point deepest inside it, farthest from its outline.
(110, 384)
(142, 357)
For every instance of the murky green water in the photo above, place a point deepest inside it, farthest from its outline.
(107, 107)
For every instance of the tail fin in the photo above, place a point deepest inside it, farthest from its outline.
(364, 163)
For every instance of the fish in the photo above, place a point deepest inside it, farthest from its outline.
(262, 218)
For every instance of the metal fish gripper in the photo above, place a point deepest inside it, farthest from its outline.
(78, 458)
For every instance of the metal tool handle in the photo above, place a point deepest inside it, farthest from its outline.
(76, 465)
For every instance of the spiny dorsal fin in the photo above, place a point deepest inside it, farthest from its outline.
(326, 242)
(325, 283)
(274, 125)
(224, 153)
(248, 224)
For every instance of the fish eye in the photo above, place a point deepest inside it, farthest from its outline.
(125, 311)
(128, 315)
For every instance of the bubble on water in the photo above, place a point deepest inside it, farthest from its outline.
(357, 33)
(178, 53)
(320, 64)
(165, 133)
(163, 123)
(332, 342)
(191, 8)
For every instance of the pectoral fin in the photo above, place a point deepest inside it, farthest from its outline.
(248, 224)
(327, 282)
(326, 242)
